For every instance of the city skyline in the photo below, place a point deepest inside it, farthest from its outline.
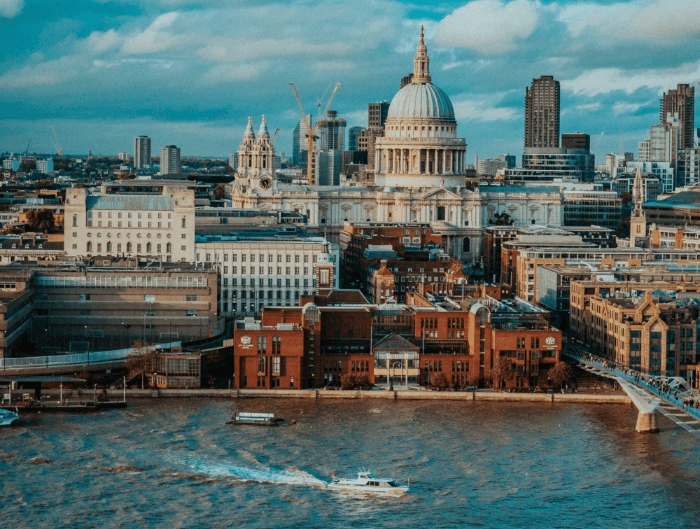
(190, 73)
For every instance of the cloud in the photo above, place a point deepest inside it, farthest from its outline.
(490, 27)
(484, 108)
(154, 38)
(605, 80)
(10, 8)
(639, 20)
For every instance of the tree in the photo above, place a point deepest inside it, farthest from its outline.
(626, 198)
(220, 191)
(560, 373)
(438, 381)
(126, 176)
(502, 219)
(142, 361)
(502, 371)
(41, 220)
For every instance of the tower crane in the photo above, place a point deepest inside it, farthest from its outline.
(595, 145)
(312, 130)
(56, 143)
(274, 137)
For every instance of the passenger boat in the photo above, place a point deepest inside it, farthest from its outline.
(366, 482)
(7, 417)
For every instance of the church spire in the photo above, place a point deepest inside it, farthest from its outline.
(638, 193)
(263, 129)
(249, 130)
(421, 64)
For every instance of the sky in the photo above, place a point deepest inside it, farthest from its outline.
(190, 73)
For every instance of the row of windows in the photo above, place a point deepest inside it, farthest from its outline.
(260, 258)
(261, 270)
(128, 247)
(261, 282)
(129, 215)
(120, 224)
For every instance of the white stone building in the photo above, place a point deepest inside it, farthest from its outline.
(419, 177)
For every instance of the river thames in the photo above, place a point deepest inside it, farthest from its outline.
(175, 463)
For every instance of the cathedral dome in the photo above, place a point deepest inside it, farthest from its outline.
(421, 101)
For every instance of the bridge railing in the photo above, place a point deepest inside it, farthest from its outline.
(687, 400)
(88, 358)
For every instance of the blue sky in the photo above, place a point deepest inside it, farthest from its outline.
(190, 73)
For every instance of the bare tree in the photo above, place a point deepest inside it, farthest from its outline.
(502, 371)
(142, 361)
(220, 191)
(438, 381)
(560, 373)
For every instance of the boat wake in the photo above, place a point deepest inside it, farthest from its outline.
(263, 475)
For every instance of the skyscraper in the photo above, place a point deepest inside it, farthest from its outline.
(353, 134)
(376, 114)
(300, 145)
(170, 159)
(142, 152)
(542, 113)
(681, 101)
(331, 133)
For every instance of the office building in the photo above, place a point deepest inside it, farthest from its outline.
(142, 152)
(542, 113)
(353, 134)
(681, 102)
(331, 133)
(377, 113)
(169, 160)
(300, 145)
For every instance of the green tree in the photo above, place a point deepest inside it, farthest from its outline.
(502, 219)
(560, 373)
(41, 220)
(502, 371)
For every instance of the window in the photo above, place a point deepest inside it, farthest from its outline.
(262, 344)
(191, 298)
(191, 313)
(149, 298)
(262, 364)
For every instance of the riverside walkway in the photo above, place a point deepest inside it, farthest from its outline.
(672, 396)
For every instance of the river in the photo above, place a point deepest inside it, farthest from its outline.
(175, 463)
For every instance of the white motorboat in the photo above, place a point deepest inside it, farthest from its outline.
(366, 482)
(7, 417)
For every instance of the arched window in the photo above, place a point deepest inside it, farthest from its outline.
(168, 247)
(466, 245)
(128, 247)
(109, 246)
(89, 246)
(75, 221)
(148, 247)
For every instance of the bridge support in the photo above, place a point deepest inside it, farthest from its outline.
(646, 422)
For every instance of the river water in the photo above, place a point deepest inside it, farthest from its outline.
(175, 463)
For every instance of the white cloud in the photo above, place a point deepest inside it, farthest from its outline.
(154, 38)
(638, 20)
(10, 8)
(483, 109)
(490, 27)
(223, 73)
(99, 42)
(604, 80)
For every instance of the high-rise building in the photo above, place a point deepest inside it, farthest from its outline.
(576, 140)
(300, 146)
(170, 159)
(353, 133)
(376, 113)
(681, 101)
(124, 156)
(331, 133)
(142, 152)
(542, 113)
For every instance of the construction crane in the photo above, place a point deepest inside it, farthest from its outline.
(56, 143)
(595, 145)
(29, 144)
(274, 137)
(312, 130)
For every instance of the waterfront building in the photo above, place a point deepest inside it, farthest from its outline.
(651, 327)
(169, 160)
(542, 113)
(107, 305)
(142, 152)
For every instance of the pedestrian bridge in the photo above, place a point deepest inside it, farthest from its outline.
(672, 396)
(73, 362)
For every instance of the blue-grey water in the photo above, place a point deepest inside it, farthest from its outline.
(175, 463)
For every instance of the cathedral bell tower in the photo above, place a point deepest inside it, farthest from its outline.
(256, 158)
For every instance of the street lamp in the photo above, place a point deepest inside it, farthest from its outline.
(398, 362)
(88, 351)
